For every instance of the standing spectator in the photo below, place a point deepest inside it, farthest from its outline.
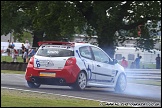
(13, 45)
(158, 62)
(9, 48)
(137, 62)
(27, 45)
(14, 54)
(124, 63)
(22, 49)
(132, 65)
(25, 55)
(31, 53)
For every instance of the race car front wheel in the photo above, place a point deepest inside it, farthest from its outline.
(33, 85)
(81, 82)
(121, 83)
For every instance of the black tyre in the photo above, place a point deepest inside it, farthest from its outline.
(33, 85)
(121, 83)
(81, 82)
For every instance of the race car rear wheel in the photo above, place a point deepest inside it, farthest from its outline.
(121, 83)
(33, 85)
(81, 82)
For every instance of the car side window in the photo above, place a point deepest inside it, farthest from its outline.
(99, 55)
(85, 52)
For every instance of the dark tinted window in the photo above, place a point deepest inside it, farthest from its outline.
(131, 56)
(118, 56)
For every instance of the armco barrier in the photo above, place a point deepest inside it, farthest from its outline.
(150, 74)
(17, 66)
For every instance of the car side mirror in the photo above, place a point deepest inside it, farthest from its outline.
(115, 61)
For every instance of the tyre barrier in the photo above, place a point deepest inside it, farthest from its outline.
(17, 66)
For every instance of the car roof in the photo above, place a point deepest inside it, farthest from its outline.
(62, 43)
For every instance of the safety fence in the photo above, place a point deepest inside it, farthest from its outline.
(143, 74)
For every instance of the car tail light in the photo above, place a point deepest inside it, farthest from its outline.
(70, 61)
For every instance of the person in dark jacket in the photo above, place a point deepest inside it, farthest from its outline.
(137, 62)
(158, 62)
(23, 50)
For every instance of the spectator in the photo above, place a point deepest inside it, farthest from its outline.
(14, 54)
(132, 65)
(137, 62)
(13, 45)
(25, 56)
(22, 49)
(124, 63)
(27, 45)
(9, 48)
(31, 53)
(158, 62)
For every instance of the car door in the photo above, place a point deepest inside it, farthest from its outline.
(87, 60)
(104, 70)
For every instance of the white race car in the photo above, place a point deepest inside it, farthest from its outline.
(78, 65)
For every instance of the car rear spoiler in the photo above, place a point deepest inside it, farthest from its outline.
(55, 43)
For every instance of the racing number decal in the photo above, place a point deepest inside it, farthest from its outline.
(37, 62)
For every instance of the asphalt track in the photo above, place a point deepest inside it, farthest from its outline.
(133, 93)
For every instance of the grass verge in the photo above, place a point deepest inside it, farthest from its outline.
(15, 98)
(12, 72)
(9, 59)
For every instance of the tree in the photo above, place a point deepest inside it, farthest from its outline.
(59, 19)
(110, 16)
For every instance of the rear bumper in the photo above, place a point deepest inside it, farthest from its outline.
(49, 81)
(68, 74)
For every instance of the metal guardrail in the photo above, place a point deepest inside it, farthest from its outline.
(148, 74)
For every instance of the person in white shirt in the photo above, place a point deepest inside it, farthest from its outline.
(27, 45)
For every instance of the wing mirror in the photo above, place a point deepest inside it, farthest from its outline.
(115, 61)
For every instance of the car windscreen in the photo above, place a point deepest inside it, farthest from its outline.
(54, 52)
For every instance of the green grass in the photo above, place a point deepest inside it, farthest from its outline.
(12, 72)
(15, 98)
(9, 59)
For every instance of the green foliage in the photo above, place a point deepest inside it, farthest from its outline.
(62, 19)
(23, 36)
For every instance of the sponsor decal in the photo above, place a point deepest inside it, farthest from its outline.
(46, 63)
(87, 68)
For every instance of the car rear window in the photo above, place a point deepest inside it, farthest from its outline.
(54, 52)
